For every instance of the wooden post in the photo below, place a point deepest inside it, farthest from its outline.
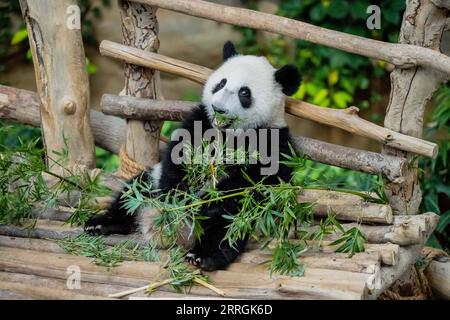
(140, 30)
(62, 81)
(423, 25)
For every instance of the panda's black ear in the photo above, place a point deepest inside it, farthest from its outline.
(229, 51)
(289, 78)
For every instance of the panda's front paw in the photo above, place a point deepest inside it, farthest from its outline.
(202, 262)
(96, 226)
(193, 259)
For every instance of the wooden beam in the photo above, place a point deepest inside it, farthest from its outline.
(346, 206)
(345, 119)
(62, 81)
(438, 275)
(317, 283)
(140, 30)
(401, 55)
(109, 131)
(23, 106)
(405, 230)
(423, 25)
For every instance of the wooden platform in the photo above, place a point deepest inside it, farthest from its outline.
(34, 266)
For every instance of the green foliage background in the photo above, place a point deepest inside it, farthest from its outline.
(331, 78)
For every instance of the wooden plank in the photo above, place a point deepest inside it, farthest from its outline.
(343, 285)
(366, 262)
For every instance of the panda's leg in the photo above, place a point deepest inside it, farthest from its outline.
(116, 219)
(211, 252)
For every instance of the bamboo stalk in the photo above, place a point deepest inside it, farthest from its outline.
(402, 56)
(345, 119)
(109, 132)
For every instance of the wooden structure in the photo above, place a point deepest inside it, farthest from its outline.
(130, 125)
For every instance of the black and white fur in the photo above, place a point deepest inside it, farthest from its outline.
(247, 87)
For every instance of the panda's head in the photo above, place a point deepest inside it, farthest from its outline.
(248, 92)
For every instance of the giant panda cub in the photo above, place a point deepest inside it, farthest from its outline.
(244, 88)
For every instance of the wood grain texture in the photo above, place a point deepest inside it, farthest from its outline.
(423, 25)
(62, 81)
(140, 30)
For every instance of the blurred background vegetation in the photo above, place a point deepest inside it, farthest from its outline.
(331, 79)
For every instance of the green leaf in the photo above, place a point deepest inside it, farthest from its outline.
(338, 9)
(342, 99)
(19, 36)
(317, 13)
(444, 221)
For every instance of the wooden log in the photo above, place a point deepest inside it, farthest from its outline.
(370, 162)
(423, 25)
(87, 288)
(387, 251)
(346, 206)
(438, 275)
(401, 55)
(62, 81)
(392, 168)
(109, 132)
(57, 230)
(365, 262)
(39, 292)
(345, 119)
(407, 257)
(405, 230)
(22, 106)
(317, 283)
(145, 109)
(140, 30)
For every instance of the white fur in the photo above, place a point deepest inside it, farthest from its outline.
(267, 97)
(156, 175)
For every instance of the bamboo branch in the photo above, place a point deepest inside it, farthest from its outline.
(346, 119)
(109, 131)
(402, 56)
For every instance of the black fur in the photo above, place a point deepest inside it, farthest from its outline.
(289, 78)
(229, 51)
(210, 252)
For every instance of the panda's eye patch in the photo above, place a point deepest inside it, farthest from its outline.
(220, 86)
(245, 96)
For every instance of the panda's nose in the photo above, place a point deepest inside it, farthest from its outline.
(218, 110)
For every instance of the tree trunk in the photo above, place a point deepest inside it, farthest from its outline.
(423, 25)
(140, 30)
(62, 81)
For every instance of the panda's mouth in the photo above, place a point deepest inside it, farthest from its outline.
(222, 122)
